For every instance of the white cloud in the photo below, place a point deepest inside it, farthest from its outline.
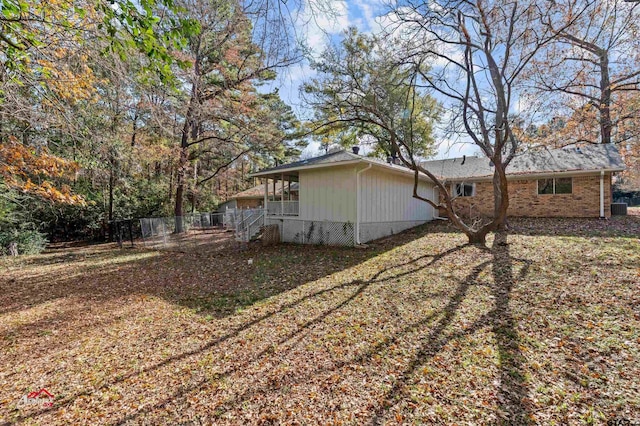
(454, 53)
(319, 24)
(368, 12)
(300, 72)
(448, 148)
(398, 27)
(311, 150)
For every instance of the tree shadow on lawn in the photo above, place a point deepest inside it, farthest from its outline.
(210, 281)
(614, 227)
(215, 283)
(512, 389)
(214, 287)
(360, 287)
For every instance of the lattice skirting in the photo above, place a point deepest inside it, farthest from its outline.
(373, 231)
(315, 232)
(335, 233)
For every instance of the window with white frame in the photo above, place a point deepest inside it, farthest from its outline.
(555, 186)
(465, 189)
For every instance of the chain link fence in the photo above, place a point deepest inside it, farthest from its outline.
(630, 201)
(180, 232)
(246, 223)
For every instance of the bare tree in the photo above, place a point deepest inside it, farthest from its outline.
(472, 56)
(593, 70)
(483, 49)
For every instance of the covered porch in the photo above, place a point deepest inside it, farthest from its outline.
(281, 194)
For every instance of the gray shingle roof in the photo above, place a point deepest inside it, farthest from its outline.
(258, 191)
(332, 157)
(587, 158)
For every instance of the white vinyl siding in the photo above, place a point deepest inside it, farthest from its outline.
(328, 194)
(230, 204)
(388, 197)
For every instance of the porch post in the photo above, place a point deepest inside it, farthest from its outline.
(266, 200)
(274, 187)
(282, 195)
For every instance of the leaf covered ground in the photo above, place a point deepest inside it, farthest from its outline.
(543, 328)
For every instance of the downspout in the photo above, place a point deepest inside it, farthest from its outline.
(602, 194)
(358, 173)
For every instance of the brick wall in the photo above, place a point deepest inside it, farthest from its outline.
(584, 201)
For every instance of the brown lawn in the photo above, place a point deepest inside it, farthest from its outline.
(420, 328)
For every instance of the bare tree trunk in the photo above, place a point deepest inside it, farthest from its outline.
(605, 99)
(170, 183)
(180, 178)
(135, 128)
(183, 163)
(501, 194)
(195, 181)
(478, 238)
(2, 113)
(501, 200)
(110, 203)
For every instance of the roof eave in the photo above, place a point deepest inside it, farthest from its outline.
(399, 169)
(395, 169)
(537, 175)
(279, 172)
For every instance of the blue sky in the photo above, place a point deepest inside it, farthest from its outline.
(318, 30)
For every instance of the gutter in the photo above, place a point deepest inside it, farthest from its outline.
(358, 173)
(539, 175)
(602, 194)
(278, 172)
(391, 168)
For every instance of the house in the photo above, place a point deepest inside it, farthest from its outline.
(344, 199)
(565, 182)
(254, 197)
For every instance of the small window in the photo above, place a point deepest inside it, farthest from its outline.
(564, 186)
(545, 186)
(555, 186)
(465, 189)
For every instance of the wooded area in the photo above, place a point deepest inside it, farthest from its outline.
(154, 112)
(117, 111)
(112, 110)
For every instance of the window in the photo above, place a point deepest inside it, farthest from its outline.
(555, 186)
(545, 186)
(564, 186)
(465, 189)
